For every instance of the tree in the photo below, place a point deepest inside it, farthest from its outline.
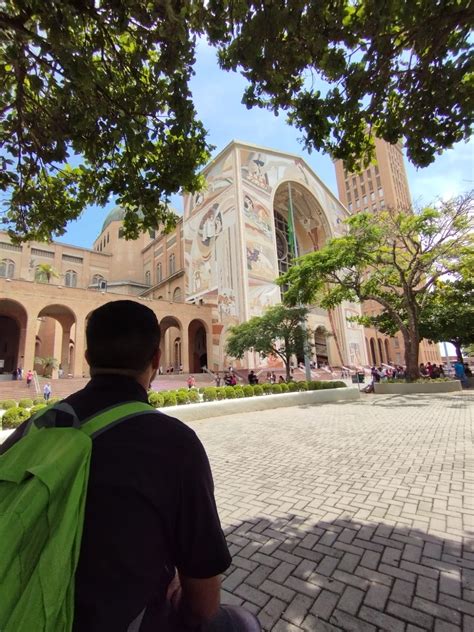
(448, 315)
(48, 364)
(45, 272)
(95, 100)
(277, 332)
(393, 258)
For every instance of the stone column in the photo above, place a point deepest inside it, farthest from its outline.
(29, 337)
(79, 348)
(185, 349)
(65, 349)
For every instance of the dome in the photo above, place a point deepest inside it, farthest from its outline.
(117, 214)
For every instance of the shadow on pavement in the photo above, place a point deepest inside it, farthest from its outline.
(295, 573)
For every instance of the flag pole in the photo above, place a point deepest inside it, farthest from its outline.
(294, 248)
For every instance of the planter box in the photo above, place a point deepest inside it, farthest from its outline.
(193, 412)
(407, 388)
(204, 410)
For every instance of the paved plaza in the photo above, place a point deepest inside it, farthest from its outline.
(349, 516)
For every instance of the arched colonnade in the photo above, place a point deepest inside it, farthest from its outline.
(31, 327)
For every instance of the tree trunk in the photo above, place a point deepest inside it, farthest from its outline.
(411, 338)
(457, 346)
(287, 367)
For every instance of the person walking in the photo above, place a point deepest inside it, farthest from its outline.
(29, 378)
(47, 391)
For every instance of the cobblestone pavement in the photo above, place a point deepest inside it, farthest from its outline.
(349, 516)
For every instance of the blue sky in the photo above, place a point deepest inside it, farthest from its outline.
(217, 97)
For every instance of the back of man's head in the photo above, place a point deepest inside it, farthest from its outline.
(122, 335)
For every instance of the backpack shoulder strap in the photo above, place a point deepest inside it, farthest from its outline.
(109, 417)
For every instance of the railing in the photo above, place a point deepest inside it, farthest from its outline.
(36, 383)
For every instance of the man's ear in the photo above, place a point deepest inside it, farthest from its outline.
(155, 360)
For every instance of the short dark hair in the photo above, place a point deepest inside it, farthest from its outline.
(122, 335)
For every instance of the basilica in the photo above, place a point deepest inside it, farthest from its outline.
(215, 270)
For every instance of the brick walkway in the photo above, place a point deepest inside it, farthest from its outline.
(356, 516)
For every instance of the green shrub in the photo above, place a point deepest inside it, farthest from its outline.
(248, 390)
(201, 389)
(38, 400)
(257, 390)
(292, 387)
(302, 386)
(193, 396)
(156, 399)
(26, 402)
(229, 392)
(13, 417)
(169, 399)
(210, 394)
(284, 387)
(314, 385)
(53, 400)
(276, 389)
(267, 388)
(339, 384)
(182, 397)
(8, 403)
(239, 391)
(220, 391)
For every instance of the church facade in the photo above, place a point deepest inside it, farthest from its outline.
(217, 269)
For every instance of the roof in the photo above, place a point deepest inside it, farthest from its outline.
(116, 214)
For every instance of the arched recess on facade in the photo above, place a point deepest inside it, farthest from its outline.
(13, 321)
(387, 350)
(171, 333)
(311, 226)
(380, 345)
(197, 336)
(373, 354)
(56, 332)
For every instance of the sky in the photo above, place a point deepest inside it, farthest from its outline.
(217, 96)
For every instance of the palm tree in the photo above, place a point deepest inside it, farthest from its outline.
(45, 272)
(48, 365)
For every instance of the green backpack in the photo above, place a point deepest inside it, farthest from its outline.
(43, 488)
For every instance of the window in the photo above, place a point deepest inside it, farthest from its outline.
(72, 259)
(172, 264)
(350, 207)
(121, 233)
(70, 279)
(98, 280)
(152, 233)
(148, 277)
(380, 193)
(108, 237)
(177, 296)
(159, 272)
(7, 269)
(372, 196)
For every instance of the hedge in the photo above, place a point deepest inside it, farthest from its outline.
(156, 399)
(8, 403)
(26, 402)
(13, 417)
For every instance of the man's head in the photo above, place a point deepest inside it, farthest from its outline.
(122, 337)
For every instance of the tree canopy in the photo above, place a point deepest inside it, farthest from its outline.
(277, 332)
(448, 315)
(392, 257)
(95, 100)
